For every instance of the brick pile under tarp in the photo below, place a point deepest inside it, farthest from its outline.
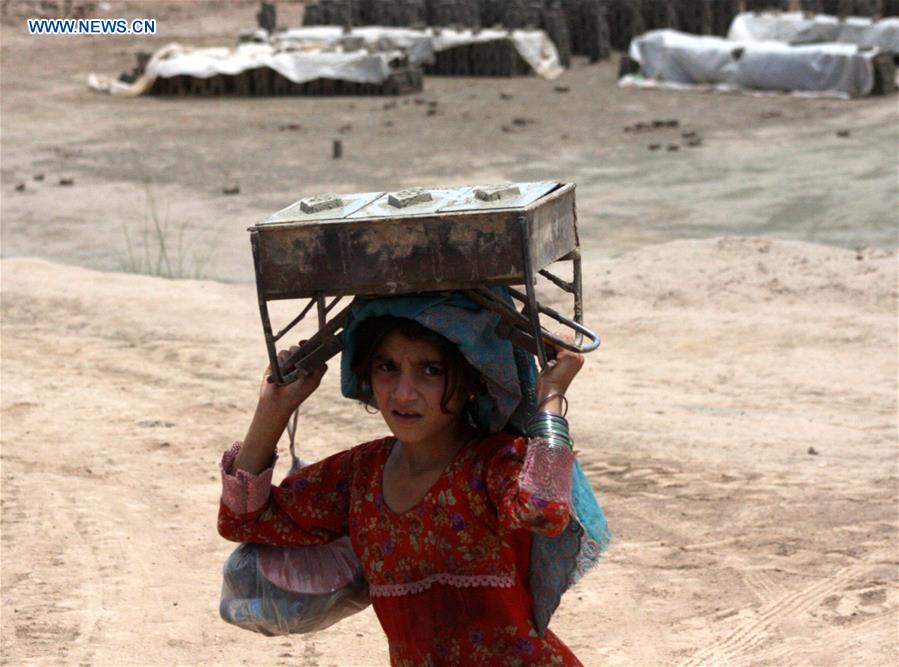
(575, 26)
(844, 8)
(763, 5)
(589, 28)
(489, 52)
(253, 69)
(675, 60)
(442, 50)
(799, 28)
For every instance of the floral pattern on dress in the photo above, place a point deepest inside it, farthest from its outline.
(448, 576)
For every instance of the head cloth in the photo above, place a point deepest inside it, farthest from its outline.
(509, 373)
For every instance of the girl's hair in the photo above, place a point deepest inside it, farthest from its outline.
(460, 375)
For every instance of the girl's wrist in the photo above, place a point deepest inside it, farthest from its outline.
(271, 408)
(545, 388)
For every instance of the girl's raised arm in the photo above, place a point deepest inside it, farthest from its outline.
(251, 509)
(276, 405)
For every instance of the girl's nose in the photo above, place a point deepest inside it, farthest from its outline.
(405, 387)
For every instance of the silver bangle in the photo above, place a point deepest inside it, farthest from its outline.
(551, 396)
(551, 427)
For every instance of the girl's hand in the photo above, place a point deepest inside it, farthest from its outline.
(556, 378)
(287, 398)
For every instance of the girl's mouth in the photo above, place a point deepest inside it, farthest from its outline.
(405, 415)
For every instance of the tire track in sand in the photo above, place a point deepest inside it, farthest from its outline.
(734, 647)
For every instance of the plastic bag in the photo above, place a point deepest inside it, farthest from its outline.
(292, 590)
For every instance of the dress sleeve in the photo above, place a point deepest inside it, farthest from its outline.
(529, 483)
(308, 507)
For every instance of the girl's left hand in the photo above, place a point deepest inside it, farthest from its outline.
(556, 378)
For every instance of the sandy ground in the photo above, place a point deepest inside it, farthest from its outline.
(739, 421)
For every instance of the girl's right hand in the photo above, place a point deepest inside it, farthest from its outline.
(287, 398)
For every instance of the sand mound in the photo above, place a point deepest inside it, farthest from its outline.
(738, 271)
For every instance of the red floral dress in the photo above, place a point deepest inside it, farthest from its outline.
(448, 578)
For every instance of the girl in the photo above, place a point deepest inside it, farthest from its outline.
(466, 532)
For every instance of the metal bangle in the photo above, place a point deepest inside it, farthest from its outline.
(551, 396)
(549, 420)
(554, 441)
(551, 427)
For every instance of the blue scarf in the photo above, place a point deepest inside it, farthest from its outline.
(510, 376)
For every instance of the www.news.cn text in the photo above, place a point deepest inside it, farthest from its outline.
(91, 27)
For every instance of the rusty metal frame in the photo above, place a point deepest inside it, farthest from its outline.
(521, 327)
(524, 328)
(315, 351)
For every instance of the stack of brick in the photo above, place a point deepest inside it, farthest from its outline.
(555, 24)
(265, 82)
(700, 17)
(766, 5)
(844, 8)
(491, 13)
(521, 14)
(884, 74)
(723, 13)
(267, 17)
(695, 16)
(333, 12)
(494, 58)
(594, 27)
(625, 21)
(868, 8)
(658, 14)
(394, 12)
(588, 27)
(579, 27)
(462, 13)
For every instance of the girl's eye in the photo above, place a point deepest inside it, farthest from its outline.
(433, 371)
(385, 366)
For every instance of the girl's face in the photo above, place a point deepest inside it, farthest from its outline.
(408, 379)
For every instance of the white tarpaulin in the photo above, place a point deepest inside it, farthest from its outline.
(417, 43)
(298, 66)
(672, 57)
(534, 46)
(798, 28)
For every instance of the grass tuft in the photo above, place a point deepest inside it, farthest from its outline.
(167, 250)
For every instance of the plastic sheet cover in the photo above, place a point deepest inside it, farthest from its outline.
(798, 28)
(669, 58)
(534, 46)
(298, 66)
(417, 43)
